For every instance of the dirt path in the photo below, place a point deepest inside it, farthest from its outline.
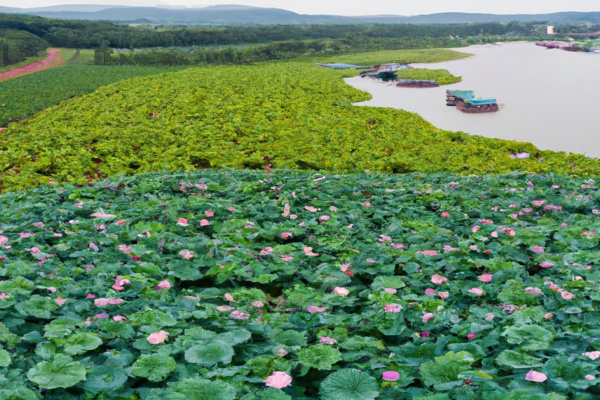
(52, 61)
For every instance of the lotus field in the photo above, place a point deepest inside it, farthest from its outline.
(291, 285)
(299, 115)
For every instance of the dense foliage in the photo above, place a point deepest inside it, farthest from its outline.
(87, 34)
(298, 115)
(252, 285)
(17, 45)
(30, 94)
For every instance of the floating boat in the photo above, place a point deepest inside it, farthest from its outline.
(452, 96)
(416, 83)
(477, 106)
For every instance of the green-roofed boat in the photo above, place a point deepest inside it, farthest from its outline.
(465, 101)
(453, 95)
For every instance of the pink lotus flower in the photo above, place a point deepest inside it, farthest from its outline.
(430, 253)
(471, 336)
(119, 318)
(3, 240)
(124, 248)
(546, 264)
(538, 203)
(475, 228)
(286, 210)
(397, 245)
(229, 297)
(225, 308)
(182, 221)
(231, 209)
(158, 337)
(38, 224)
(489, 316)
(427, 317)
(103, 215)
(60, 301)
(327, 340)
(592, 355)
(390, 290)
(438, 279)
(101, 316)
(476, 291)
(567, 295)
(548, 315)
(286, 258)
(590, 377)
(534, 376)
(278, 380)
(204, 222)
(311, 209)
(315, 309)
(102, 302)
(341, 291)
(163, 285)
(393, 308)
(93, 246)
(120, 283)
(390, 376)
(26, 234)
(120, 222)
(308, 251)
(286, 235)
(257, 303)
(425, 334)
(282, 352)
(367, 203)
(324, 218)
(485, 278)
(445, 214)
(534, 291)
(444, 295)
(4, 296)
(430, 292)
(34, 250)
(538, 249)
(187, 254)
(209, 213)
(237, 314)
(266, 250)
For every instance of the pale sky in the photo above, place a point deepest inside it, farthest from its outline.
(356, 7)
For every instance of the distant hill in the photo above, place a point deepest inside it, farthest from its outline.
(237, 14)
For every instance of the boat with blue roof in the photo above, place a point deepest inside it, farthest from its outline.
(465, 101)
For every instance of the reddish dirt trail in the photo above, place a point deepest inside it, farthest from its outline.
(52, 61)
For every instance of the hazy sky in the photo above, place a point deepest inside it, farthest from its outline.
(356, 7)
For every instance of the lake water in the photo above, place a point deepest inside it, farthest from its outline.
(550, 98)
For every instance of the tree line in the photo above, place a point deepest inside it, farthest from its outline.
(92, 34)
(16, 46)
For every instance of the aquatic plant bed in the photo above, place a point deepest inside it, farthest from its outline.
(291, 285)
(299, 115)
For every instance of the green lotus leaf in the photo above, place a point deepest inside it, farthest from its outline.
(203, 389)
(210, 354)
(104, 378)
(154, 367)
(319, 356)
(349, 384)
(61, 372)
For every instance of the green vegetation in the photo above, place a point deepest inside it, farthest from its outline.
(399, 56)
(441, 76)
(224, 285)
(32, 93)
(18, 45)
(298, 115)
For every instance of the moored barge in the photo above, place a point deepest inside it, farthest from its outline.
(452, 96)
(477, 106)
(416, 83)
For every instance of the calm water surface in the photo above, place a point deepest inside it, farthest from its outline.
(550, 98)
